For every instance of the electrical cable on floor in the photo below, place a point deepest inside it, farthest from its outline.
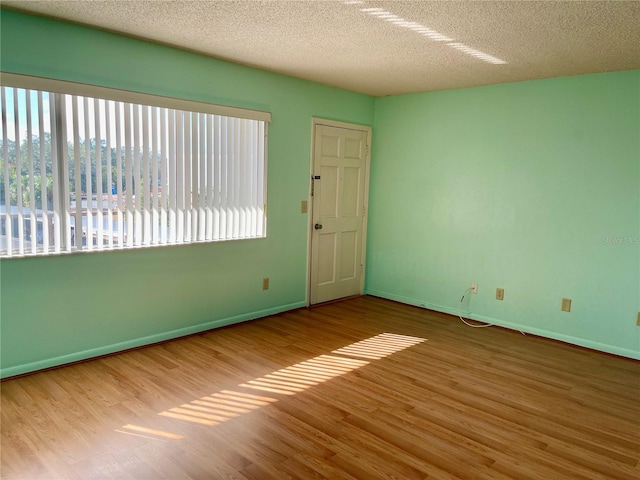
(464, 321)
(484, 325)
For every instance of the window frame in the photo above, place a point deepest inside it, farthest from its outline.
(135, 98)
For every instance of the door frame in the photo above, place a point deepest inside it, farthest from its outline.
(315, 121)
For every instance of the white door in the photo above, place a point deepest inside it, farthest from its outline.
(339, 188)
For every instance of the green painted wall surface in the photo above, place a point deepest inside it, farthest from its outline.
(532, 187)
(65, 308)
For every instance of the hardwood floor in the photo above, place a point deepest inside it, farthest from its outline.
(360, 389)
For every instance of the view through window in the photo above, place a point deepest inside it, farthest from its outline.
(87, 173)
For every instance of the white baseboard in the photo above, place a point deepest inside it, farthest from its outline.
(602, 347)
(142, 341)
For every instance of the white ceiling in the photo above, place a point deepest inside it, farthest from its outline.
(382, 47)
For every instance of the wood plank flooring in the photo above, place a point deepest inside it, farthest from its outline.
(359, 389)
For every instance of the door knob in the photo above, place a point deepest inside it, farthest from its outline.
(317, 226)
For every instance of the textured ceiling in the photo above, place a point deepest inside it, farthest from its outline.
(382, 47)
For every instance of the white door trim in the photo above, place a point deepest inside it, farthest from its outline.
(349, 126)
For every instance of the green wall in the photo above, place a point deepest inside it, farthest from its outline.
(60, 309)
(533, 187)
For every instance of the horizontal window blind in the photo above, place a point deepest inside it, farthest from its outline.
(82, 173)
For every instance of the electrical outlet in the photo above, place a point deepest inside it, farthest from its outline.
(265, 283)
(499, 293)
(474, 288)
(638, 321)
(566, 305)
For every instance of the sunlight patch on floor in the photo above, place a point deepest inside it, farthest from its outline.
(379, 346)
(291, 380)
(224, 405)
(148, 432)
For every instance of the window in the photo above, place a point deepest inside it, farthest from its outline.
(88, 169)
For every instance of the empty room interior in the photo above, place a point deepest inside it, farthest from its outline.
(320, 239)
